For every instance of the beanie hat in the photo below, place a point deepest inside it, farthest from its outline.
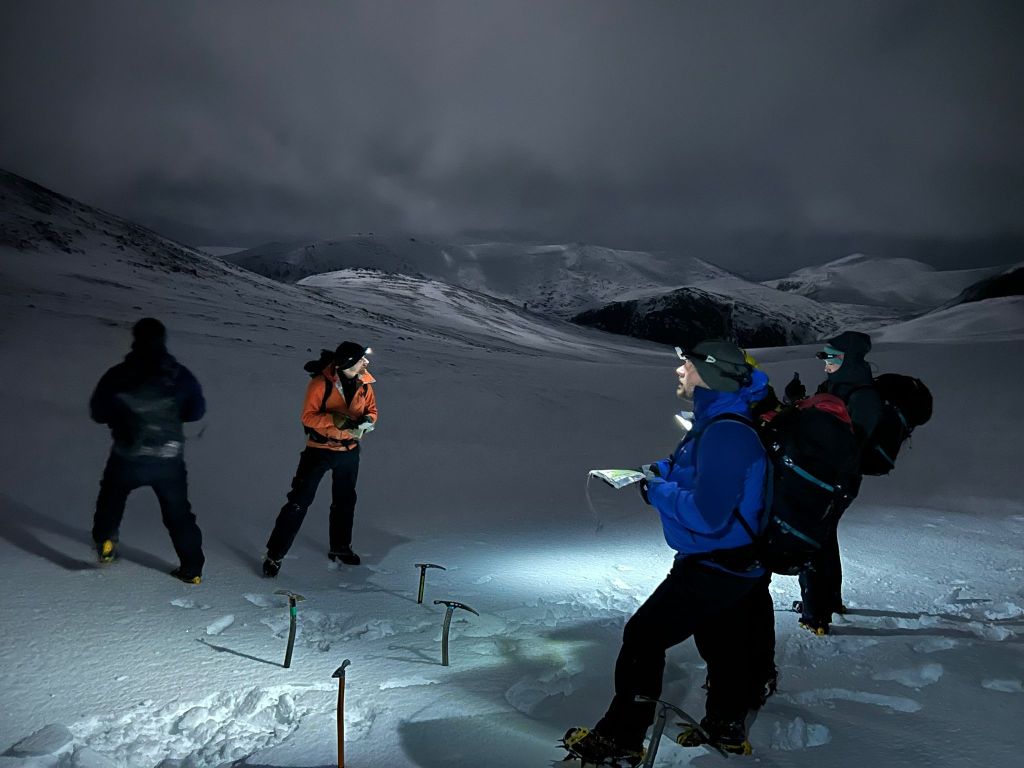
(348, 354)
(721, 364)
(149, 334)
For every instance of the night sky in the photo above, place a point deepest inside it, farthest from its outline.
(631, 124)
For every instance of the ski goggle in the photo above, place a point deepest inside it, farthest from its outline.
(684, 356)
(823, 355)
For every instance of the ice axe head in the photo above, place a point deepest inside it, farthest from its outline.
(340, 671)
(423, 577)
(293, 597)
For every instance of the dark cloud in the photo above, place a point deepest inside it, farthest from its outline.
(635, 124)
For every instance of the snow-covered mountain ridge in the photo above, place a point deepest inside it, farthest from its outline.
(559, 280)
(903, 284)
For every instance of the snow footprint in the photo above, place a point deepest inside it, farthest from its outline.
(220, 624)
(918, 677)
(798, 734)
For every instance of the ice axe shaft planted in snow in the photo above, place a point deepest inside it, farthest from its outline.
(423, 576)
(452, 605)
(293, 613)
(659, 728)
(340, 674)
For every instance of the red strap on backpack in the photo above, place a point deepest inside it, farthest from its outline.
(830, 404)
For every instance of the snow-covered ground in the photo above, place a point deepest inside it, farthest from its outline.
(478, 464)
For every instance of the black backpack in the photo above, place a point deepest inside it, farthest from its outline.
(906, 404)
(812, 451)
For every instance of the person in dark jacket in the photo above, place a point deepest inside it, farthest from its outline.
(707, 494)
(849, 377)
(145, 400)
(339, 409)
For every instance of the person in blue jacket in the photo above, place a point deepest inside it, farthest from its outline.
(144, 400)
(716, 590)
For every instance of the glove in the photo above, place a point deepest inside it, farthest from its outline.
(642, 485)
(795, 390)
(650, 471)
(341, 421)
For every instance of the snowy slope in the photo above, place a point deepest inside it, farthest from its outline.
(988, 320)
(478, 464)
(1009, 282)
(860, 279)
(450, 313)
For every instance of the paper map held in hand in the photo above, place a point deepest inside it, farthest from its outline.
(618, 478)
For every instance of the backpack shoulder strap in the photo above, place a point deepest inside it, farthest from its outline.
(741, 419)
(327, 394)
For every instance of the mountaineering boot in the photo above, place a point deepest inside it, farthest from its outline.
(345, 554)
(189, 578)
(270, 566)
(728, 736)
(106, 550)
(591, 748)
(815, 626)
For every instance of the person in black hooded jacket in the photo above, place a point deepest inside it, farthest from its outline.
(145, 400)
(848, 377)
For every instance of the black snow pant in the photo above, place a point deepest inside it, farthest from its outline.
(314, 463)
(714, 606)
(168, 479)
(821, 585)
(739, 649)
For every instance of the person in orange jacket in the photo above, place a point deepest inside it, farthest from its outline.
(339, 410)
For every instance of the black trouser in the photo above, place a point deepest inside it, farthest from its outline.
(314, 463)
(168, 479)
(821, 585)
(739, 648)
(693, 599)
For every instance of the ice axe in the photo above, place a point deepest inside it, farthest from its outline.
(423, 576)
(293, 613)
(340, 674)
(452, 605)
(659, 728)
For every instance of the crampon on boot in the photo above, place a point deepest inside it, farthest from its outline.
(591, 748)
(728, 737)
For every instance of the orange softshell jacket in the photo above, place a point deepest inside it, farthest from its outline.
(362, 407)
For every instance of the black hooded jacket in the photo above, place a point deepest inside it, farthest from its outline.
(852, 383)
(144, 400)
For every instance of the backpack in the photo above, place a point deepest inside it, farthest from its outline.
(812, 453)
(315, 368)
(154, 421)
(906, 404)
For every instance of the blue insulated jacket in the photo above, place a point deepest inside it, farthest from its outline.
(716, 468)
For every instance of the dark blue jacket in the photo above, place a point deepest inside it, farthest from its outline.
(144, 400)
(717, 468)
